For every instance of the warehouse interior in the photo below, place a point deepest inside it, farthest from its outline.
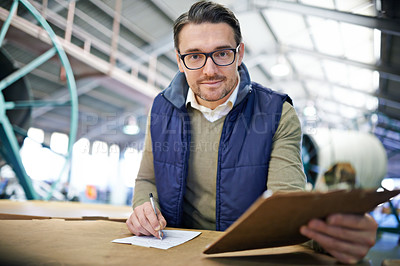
(80, 123)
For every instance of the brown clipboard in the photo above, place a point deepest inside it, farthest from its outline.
(275, 220)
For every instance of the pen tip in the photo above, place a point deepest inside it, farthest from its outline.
(151, 195)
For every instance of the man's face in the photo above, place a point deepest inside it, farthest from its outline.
(212, 84)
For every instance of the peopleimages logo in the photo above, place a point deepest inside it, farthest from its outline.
(260, 123)
(179, 147)
(94, 124)
(110, 123)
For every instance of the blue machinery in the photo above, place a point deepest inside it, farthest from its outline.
(9, 146)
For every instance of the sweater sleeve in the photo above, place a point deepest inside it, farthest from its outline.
(145, 181)
(285, 167)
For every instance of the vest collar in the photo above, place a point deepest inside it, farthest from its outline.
(177, 90)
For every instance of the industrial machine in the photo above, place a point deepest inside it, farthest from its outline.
(326, 147)
(17, 103)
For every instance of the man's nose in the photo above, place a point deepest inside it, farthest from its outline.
(210, 68)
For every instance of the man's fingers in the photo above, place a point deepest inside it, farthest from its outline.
(143, 221)
(332, 243)
(138, 223)
(134, 226)
(161, 219)
(344, 227)
(346, 237)
(345, 252)
(130, 225)
(147, 218)
(360, 222)
(157, 224)
(344, 258)
(366, 237)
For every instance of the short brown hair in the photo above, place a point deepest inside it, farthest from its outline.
(207, 11)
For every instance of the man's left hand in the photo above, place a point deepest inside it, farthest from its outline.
(346, 237)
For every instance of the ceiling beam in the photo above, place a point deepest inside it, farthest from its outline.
(40, 73)
(386, 98)
(154, 47)
(278, 44)
(386, 25)
(105, 48)
(161, 46)
(164, 9)
(124, 21)
(388, 135)
(85, 57)
(63, 95)
(389, 72)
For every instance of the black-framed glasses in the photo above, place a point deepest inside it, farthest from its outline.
(221, 57)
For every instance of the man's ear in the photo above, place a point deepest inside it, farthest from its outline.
(178, 60)
(241, 53)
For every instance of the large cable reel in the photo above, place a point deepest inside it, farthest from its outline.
(16, 102)
(322, 149)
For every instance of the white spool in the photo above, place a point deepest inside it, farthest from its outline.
(363, 150)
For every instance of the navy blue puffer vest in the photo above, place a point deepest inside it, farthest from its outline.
(244, 150)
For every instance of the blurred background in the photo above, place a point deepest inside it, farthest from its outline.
(76, 123)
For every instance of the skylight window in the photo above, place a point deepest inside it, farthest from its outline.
(327, 36)
(308, 65)
(361, 79)
(358, 42)
(319, 3)
(289, 28)
(336, 72)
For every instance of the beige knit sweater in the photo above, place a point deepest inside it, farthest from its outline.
(285, 168)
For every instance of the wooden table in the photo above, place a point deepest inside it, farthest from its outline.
(88, 242)
(65, 210)
(60, 242)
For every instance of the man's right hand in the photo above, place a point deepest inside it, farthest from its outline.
(143, 221)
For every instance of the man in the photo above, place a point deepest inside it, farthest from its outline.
(215, 141)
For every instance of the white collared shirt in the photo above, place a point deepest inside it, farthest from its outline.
(220, 111)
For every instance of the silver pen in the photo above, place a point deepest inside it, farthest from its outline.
(154, 208)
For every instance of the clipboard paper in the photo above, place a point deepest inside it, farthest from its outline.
(276, 220)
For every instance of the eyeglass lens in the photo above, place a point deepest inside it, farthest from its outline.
(220, 57)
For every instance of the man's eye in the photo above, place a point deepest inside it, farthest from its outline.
(194, 57)
(222, 54)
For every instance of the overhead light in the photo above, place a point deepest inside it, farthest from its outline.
(281, 68)
(372, 103)
(374, 119)
(310, 111)
(130, 126)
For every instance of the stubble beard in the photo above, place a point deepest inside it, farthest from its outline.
(228, 87)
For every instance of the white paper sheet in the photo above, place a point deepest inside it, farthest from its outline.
(171, 238)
